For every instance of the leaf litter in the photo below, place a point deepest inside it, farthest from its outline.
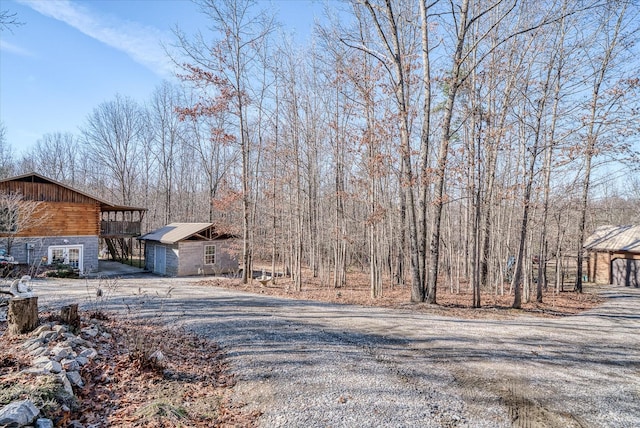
(189, 386)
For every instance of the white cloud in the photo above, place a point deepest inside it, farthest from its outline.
(17, 50)
(141, 43)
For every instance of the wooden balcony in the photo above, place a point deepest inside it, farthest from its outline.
(114, 228)
(120, 222)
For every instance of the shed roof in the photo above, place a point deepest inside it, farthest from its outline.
(176, 232)
(615, 238)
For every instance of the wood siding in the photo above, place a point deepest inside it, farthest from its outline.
(66, 219)
(46, 192)
(62, 212)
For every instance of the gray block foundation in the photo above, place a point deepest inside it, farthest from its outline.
(35, 250)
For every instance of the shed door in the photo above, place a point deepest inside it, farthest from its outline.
(160, 260)
(625, 272)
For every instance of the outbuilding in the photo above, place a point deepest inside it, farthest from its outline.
(184, 249)
(614, 255)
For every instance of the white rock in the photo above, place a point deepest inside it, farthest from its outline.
(82, 360)
(39, 351)
(53, 366)
(60, 352)
(34, 345)
(29, 342)
(76, 342)
(157, 357)
(89, 353)
(70, 364)
(60, 329)
(40, 329)
(47, 335)
(90, 331)
(75, 378)
(35, 371)
(44, 423)
(18, 413)
(65, 383)
(41, 361)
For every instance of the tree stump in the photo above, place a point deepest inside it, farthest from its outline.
(22, 315)
(69, 315)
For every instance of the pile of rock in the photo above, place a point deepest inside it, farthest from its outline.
(55, 351)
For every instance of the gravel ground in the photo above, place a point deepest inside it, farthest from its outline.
(309, 364)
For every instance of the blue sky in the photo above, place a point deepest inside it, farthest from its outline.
(70, 56)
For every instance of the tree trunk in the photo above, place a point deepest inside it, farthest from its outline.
(22, 315)
(434, 248)
(594, 126)
(69, 316)
(423, 171)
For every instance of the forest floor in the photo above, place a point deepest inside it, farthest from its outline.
(451, 301)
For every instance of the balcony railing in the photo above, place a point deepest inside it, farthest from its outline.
(120, 228)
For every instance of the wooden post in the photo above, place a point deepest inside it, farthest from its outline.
(69, 316)
(22, 315)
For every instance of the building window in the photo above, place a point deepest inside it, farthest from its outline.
(70, 255)
(209, 254)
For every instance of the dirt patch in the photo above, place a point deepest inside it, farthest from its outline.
(455, 302)
(525, 413)
(524, 407)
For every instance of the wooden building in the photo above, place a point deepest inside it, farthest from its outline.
(183, 249)
(614, 255)
(67, 225)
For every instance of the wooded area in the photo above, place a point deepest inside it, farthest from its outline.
(428, 143)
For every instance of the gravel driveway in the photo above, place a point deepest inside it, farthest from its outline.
(309, 364)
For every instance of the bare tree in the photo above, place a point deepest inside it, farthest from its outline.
(55, 156)
(393, 55)
(6, 153)
(608, 35)
(165, 129)
(113, 135)
(17, 216)
(9, 20)
(455, 81)
(231, 60)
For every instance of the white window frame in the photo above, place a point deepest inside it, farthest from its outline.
(65, 249)
(205, 254)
